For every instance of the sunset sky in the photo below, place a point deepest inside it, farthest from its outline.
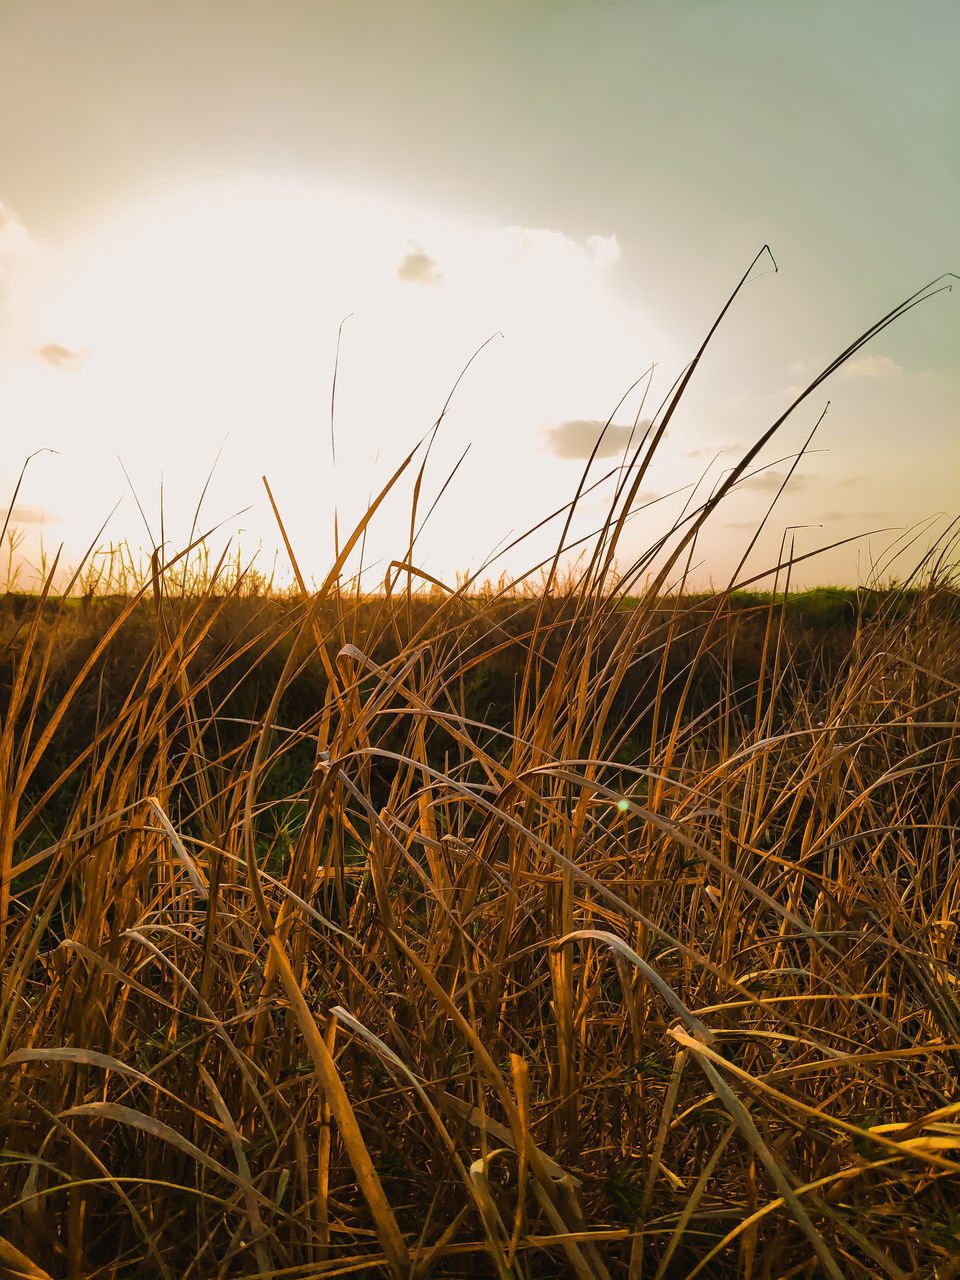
(194, 194)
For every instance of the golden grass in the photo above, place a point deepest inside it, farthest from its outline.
(511, 935)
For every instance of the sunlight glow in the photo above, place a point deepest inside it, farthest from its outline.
(214, 318)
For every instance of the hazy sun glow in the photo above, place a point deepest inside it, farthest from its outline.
(214, 319)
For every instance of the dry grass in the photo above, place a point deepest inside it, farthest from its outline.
(517, 935)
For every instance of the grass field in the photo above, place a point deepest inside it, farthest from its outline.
(590, 931)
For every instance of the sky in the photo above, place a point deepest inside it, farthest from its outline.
(198, 197)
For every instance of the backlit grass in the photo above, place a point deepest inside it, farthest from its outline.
(593, 931)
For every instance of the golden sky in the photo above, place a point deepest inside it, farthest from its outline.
(194, 195)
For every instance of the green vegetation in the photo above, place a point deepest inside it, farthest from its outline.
(495, 934)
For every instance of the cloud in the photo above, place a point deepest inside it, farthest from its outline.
(20, 514)
(870, 367)
(14, 236)
(711, 450)
(553, 250)
(770, 482)
(576, 438)
(832, 516)
(418, 267)
(605, 250)
(61, 357)
(18, 257)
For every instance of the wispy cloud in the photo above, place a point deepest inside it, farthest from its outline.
(418, 267)
(605, 250)
(21, 514)
(712, 450)
(870, 367)
(576, 438)
(14, 236)
(17, 249)
(770, 482)
(833, 516)
(61, 357)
